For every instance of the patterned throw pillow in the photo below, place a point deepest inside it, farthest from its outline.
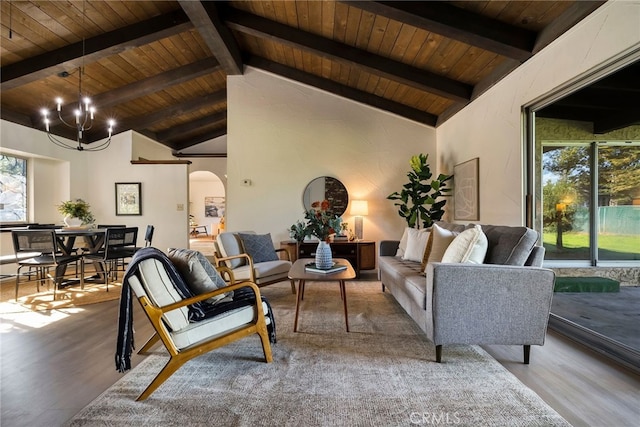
(198, 273)
(259, 247)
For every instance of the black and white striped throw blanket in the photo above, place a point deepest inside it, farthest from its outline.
(241, 298)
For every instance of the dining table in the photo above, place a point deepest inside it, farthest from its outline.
(91, 241)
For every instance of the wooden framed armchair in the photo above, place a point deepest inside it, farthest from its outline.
(153, 282)
(252, 257)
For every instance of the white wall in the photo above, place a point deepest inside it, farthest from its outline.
(60, 174)
(491, 127)
(282, 134)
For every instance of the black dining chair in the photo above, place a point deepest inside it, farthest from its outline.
(43, 245)
(119, 244)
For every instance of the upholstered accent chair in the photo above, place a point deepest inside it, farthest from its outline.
(238, 310)
(253, 257)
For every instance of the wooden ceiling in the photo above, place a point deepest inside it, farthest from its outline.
(160, 67)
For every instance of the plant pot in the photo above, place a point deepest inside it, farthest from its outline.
(71, 221)
(324, 258)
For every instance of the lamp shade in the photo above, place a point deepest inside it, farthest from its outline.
(359, 207)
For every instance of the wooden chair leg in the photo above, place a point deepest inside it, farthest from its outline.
(527, 354)
(172, 365)
(293, 286)
(439, 353)
(150, 343)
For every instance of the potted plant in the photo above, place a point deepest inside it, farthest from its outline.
(76, 212)
(417, 200)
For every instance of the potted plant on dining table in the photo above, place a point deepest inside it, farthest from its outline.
(77, 212)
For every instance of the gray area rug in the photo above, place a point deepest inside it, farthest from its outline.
(382, 373)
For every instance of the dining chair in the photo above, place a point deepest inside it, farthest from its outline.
(43, 244)
(119, 244)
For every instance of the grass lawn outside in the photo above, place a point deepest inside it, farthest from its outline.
(576, 246)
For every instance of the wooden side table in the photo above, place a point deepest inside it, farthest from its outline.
(360, 254)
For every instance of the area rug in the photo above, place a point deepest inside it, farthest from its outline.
(382, 373)
(29, 299)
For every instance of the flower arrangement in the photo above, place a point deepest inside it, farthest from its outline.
(77, 208)
(322, 222)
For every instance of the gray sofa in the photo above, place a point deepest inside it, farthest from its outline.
(505, 300)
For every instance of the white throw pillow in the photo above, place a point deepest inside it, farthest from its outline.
(441, 240)
(416, 244)
(403, 243)
(469, 246)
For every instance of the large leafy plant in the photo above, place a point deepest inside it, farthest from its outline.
(417, 201)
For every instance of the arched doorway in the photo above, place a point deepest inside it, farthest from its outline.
(207, 204)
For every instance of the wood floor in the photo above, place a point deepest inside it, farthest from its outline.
(55, 363)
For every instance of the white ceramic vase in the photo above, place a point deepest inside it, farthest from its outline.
(324, 258)
(71, 221)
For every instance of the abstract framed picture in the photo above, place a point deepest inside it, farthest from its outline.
(466, 191)
(128, 198)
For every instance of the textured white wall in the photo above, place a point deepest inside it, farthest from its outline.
(491, 127)
(282, 134)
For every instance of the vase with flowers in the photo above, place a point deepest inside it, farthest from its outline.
(322, 222)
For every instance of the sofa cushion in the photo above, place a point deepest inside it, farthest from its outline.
(442, 238)
(259, 247)
(416, 244)
(264, 271)
(469, 246)
(427, 252)
(509, 245)
(200, 276)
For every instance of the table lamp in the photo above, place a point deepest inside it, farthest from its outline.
(358, 209)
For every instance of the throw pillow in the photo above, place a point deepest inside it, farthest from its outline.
(259, 247)
(469, 246)
(198, 273)
(441, 240)
(403, 243)
(416, 244)
(427, 252)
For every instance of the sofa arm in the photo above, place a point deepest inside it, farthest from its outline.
(488, 304)
(389, 247)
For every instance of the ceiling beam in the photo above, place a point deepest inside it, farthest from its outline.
(191, 127)
(343, 91)
(95, 48)
(215, 34)
(145, 87)
(458, 24)
(347, 55)
(144, 121)
(570, 17)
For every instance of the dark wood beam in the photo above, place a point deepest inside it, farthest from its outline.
(215, 34)
(19, 118)
(343, 91)
(347, 55)
(195, 140)
(194, 126)
(458, 24)
(570, 17)
(69, 57)
(146, 86)
(144, 121)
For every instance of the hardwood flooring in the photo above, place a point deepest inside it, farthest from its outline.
(55, 363)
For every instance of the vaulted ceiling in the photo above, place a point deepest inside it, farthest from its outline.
(160, 67)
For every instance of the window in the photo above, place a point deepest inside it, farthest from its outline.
(13, 189)
(577, 176)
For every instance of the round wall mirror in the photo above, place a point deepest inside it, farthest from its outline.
(326, 188)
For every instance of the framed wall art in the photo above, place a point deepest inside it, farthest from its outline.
(128, 198)
(466, 191)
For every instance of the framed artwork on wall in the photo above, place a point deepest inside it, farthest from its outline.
(128, 198)
(466, 193)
